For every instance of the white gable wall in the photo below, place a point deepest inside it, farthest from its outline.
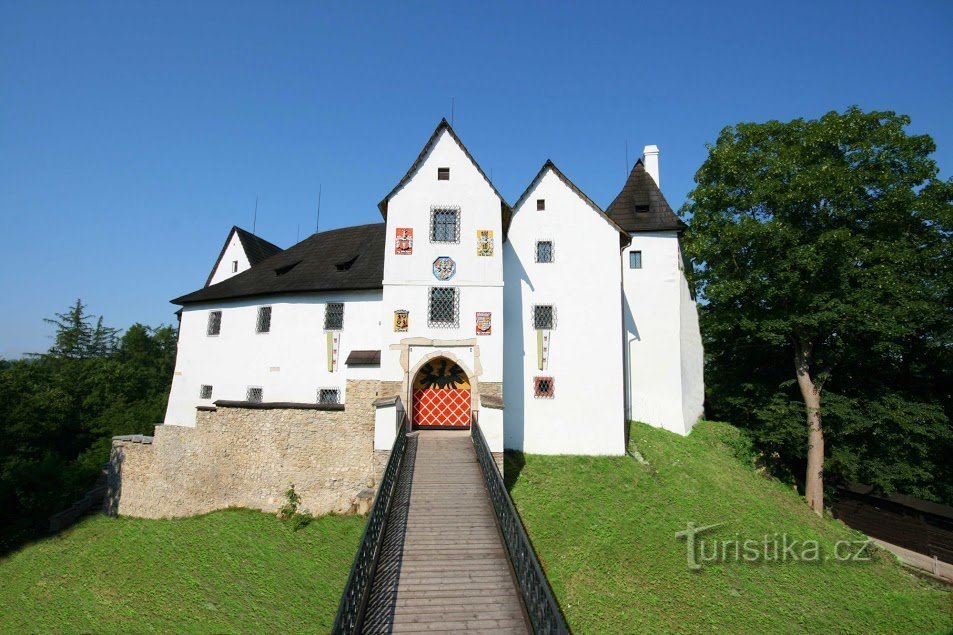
(233, 252)
(289, 362)
(585, 360)
(408, 278)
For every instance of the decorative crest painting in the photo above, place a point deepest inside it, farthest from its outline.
(405, 241)
(484, 323)
(401, 320)
(444, 268)
(484, 242)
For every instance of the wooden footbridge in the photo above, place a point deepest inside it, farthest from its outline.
(444, 550)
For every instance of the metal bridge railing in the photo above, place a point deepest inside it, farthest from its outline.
(537, 596)
(358, 588)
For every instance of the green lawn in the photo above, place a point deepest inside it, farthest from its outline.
(604, 529)
(226, 572)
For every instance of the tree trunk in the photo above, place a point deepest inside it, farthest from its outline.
(814, 479)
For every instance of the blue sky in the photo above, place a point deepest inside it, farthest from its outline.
(133, 135)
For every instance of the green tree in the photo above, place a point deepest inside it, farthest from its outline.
(825, 242)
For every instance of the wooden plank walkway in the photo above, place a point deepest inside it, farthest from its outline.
(443, 565)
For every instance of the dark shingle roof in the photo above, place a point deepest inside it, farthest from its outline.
(256, 249)
(505, 210)
(347, 259)
(624, 238)
(639, 192)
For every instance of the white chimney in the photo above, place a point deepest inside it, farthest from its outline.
(650, 159)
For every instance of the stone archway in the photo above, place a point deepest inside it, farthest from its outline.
(441, 395)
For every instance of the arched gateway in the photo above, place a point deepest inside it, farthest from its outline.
(441, 395)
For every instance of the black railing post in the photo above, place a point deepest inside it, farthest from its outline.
(538, 598)
(356, 592)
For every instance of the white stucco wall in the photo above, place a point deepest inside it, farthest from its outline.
(661, 335)
(233, 252)
(289, 362)
(585, 359)
(479, 279)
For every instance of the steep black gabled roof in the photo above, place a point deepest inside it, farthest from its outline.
(505, 210)
(347, 259)
(256, 249)
(624, 237)
(641, 193)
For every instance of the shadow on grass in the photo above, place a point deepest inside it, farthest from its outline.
(513, 462)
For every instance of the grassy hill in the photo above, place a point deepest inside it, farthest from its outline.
(226, 572)
(604, 529)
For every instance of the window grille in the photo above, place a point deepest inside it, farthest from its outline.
(544, 387)
(544, 316)
(635, 260)
(264, 320)
(334, 316)
(540, 204)
(254, 394)
(329, 396)
(444, 308)
(214, 322)
(445, 224)
(205, 392)
(544, 251)
(443, 174)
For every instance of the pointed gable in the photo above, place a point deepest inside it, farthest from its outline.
(624, 239)
(641, 207)
(444, 126)
(254, 248)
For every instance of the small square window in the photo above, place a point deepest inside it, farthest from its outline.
(444, 308)
(544, 387)
(334, 316)
(544, 251)
(329, 396)
(443, 174)
(540, 204)
(205, 392)
(544, 317)
(254, 394)
(635, 260)
(214, 322)
(263, 325)
(444, 225)
(642, 209)
(234, 266)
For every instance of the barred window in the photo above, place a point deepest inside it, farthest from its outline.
(544, 387)
(264, 320)
(254, 394)
(329, 395)
(443, 174)
(205, 392)
(214, 322)
(444, 307)
(635, 260)
(544, 316)
(334, 316)
(444, 225)
(544, 251)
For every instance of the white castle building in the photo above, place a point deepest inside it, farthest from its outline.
(552, 320)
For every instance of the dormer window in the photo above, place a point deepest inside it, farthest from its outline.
(540, 204)
(443, 174)
(234, 266)
(642, 209)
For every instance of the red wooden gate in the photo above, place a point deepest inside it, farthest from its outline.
(441, 396)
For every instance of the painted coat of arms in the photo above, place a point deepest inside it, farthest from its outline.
(401, 320)
(444, 268)
(484, 323)
(405, 241)
(484, 242)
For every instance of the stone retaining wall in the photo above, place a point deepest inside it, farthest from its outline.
(245, 457)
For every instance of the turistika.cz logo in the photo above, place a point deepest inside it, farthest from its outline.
(769, 548)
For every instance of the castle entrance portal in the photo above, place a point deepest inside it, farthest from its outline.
(441, 396)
